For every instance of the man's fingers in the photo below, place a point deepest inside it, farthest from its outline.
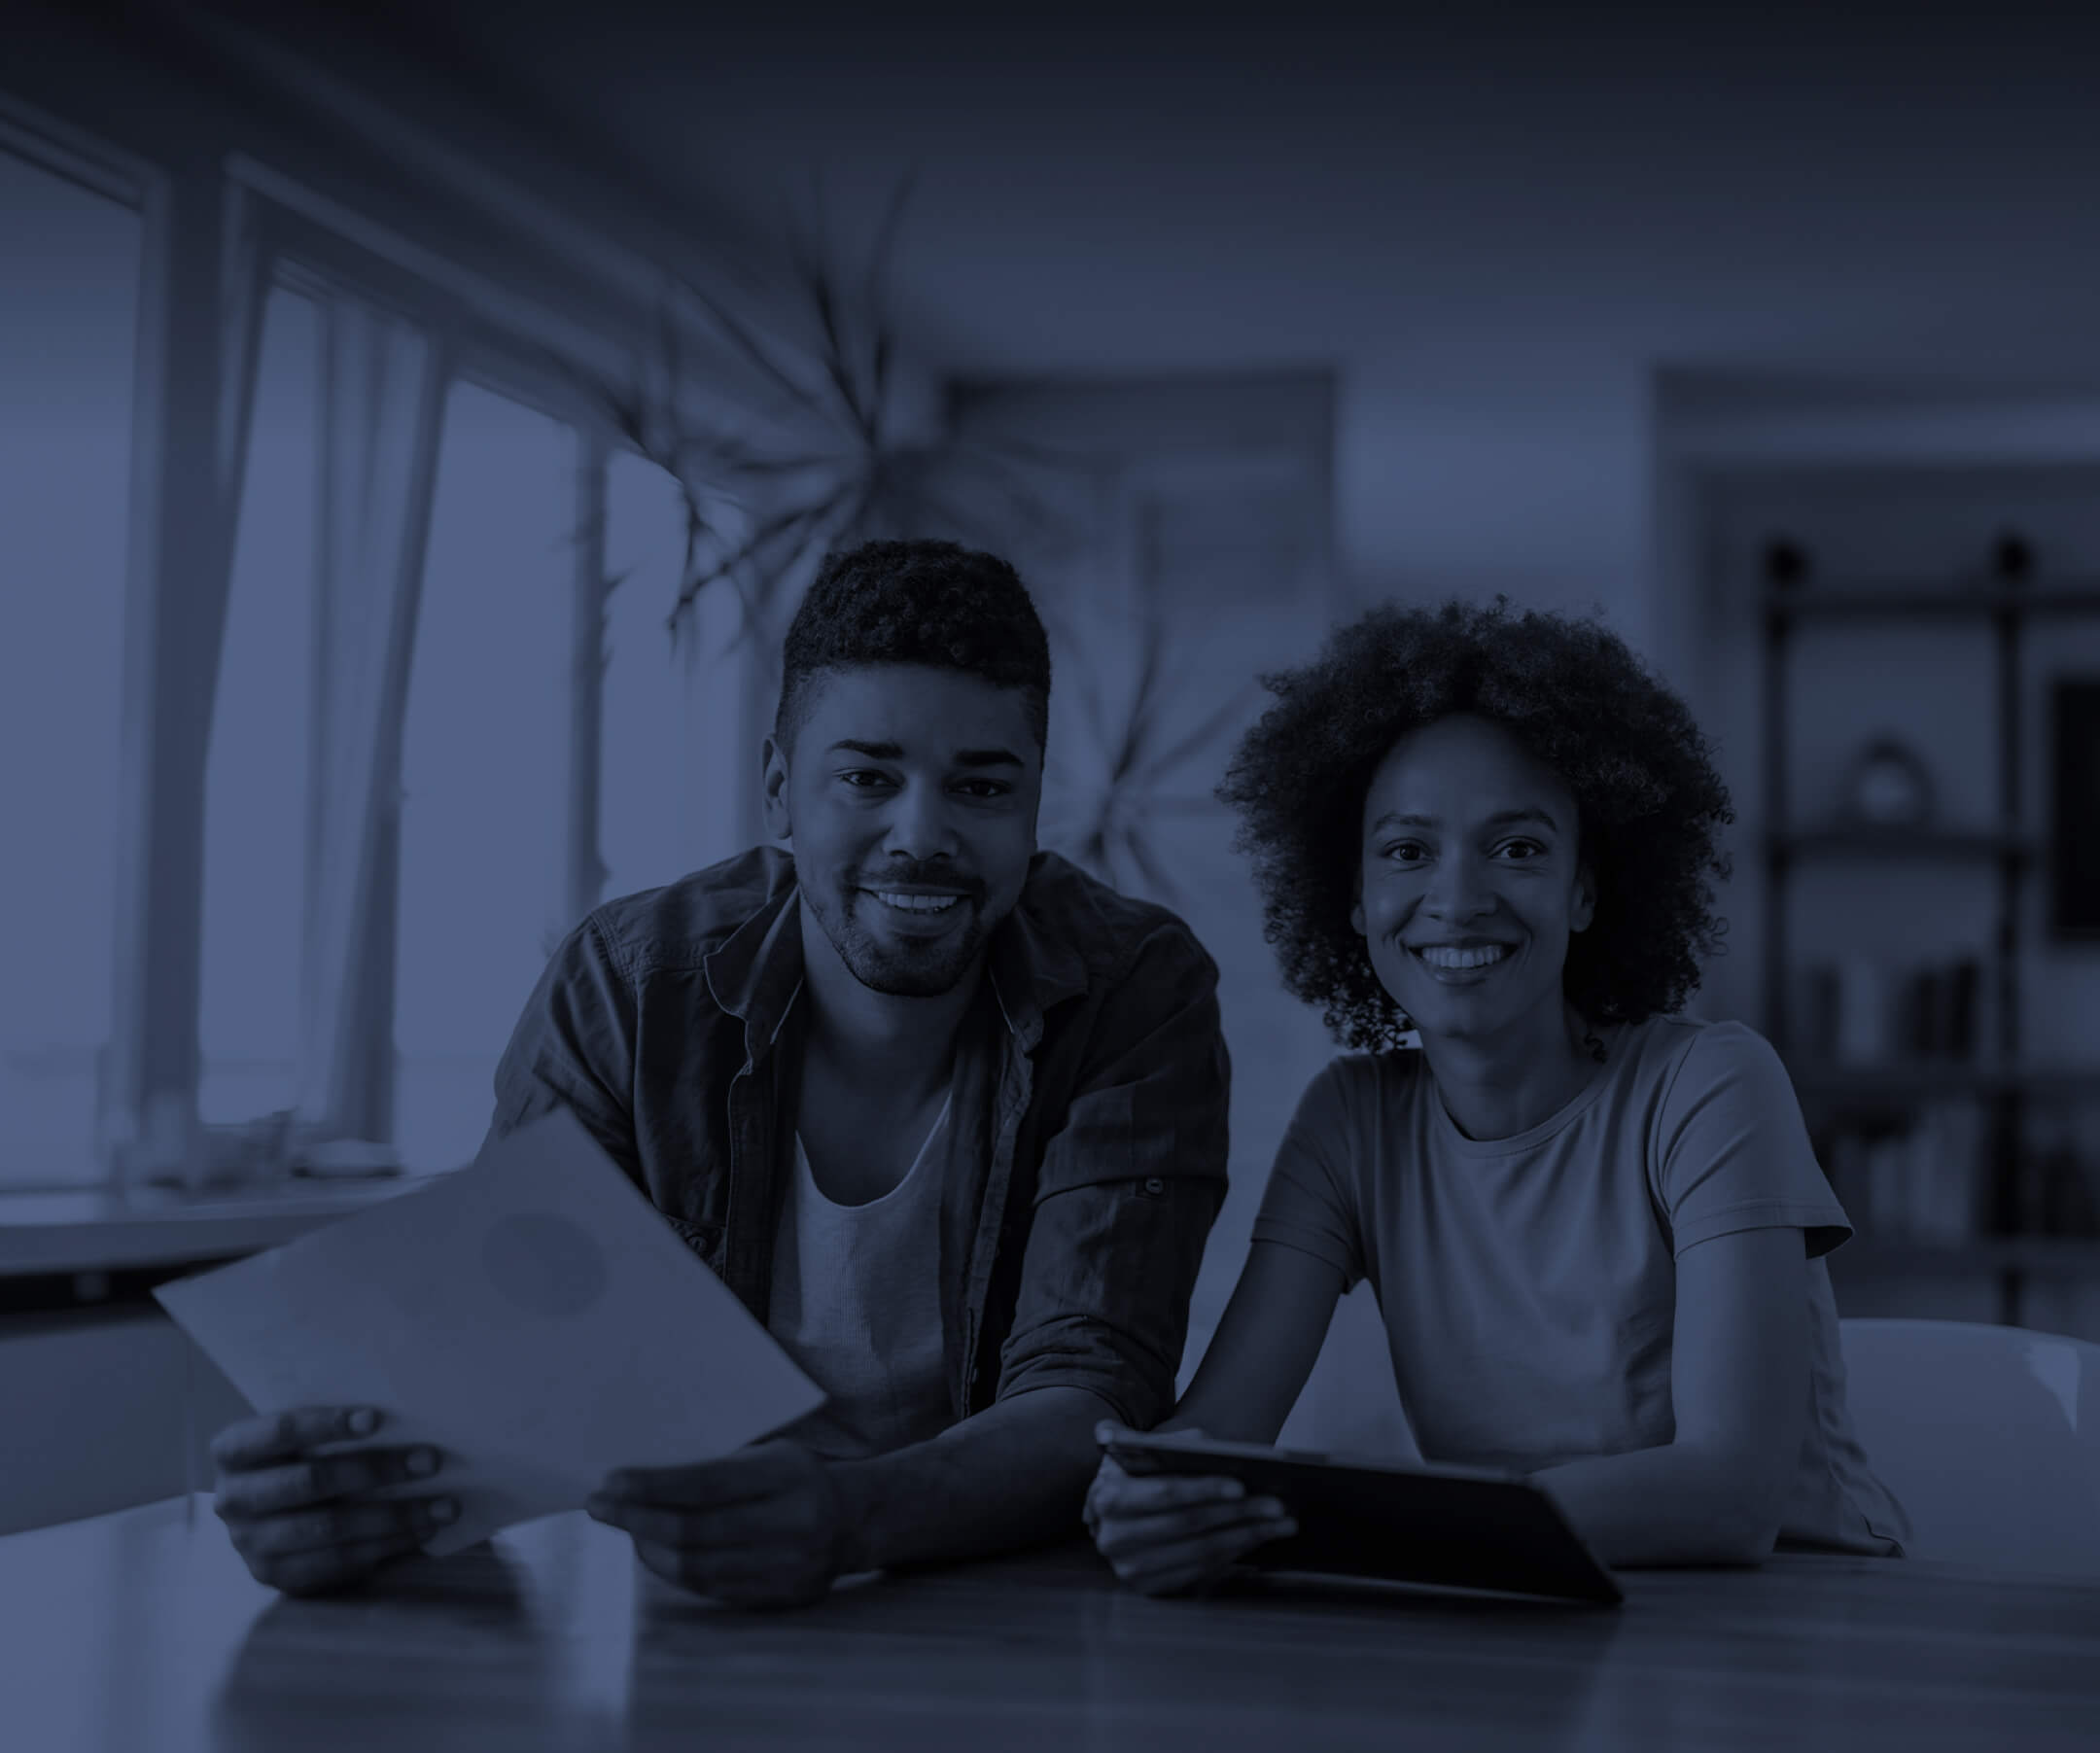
(343, 1525)
(1117, 1535)
(317, 1572)
(274, 1490)
(752, 1473)
(286, 1435)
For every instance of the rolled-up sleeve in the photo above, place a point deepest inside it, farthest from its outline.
(573, 1047)
(1127, 1192)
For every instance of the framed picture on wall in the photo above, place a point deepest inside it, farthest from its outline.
(2074, 849)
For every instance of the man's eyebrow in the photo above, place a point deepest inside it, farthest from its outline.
(1500, 819)
(964, 757)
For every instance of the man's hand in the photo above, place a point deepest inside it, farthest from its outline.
(767, 1527)
(304, 1523)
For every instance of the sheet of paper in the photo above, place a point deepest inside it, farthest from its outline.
(532, 1315)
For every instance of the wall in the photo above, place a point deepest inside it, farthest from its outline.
(103, 1410)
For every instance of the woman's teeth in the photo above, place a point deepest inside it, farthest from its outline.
(916, 903)
(1439, 956)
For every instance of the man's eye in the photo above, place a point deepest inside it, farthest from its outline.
(986, 788)
(864, 778)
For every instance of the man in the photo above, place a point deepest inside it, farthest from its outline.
(947, 1114)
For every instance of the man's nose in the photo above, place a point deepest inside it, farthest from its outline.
(920, 824)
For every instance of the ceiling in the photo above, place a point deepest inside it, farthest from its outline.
(1133, 190)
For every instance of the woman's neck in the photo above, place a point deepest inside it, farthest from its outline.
(1497, 1088)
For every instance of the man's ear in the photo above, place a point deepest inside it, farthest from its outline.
(773, 789)
(1585, 908)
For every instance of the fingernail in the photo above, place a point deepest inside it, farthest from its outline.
(422, 1462)
(1232, 1487)
(445, 1509)
(363, 1422)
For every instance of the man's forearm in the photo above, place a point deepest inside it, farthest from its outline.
(1676, 1504)
(1014, 1475)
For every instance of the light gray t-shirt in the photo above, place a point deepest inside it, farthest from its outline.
(855, 1301)
(1528, 1285)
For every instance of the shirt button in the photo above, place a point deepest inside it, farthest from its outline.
(1155, 1187)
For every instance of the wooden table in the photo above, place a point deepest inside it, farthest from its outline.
(140, 1633)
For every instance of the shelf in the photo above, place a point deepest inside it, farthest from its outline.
(1929, 602)
(1926, 845)
(2032, 1256)
(1919, 1080)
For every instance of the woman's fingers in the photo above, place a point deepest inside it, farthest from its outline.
(1173, 1566)
(287, 1436)
(1121, 1536)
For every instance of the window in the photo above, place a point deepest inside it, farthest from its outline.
(675, 764)
(485, 765)
(68, 326)
(257, 776)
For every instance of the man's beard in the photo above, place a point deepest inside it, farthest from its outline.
(902, 971)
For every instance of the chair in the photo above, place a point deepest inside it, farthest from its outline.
(1990, 1436)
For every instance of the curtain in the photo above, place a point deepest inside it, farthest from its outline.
(381, 402)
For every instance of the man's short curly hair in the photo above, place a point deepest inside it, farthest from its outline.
(934, 602)
(1651, 805)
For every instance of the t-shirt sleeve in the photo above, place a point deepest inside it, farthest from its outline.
(1732, 1150)
(1310, 1202)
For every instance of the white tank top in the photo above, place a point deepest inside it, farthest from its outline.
(855, 1301)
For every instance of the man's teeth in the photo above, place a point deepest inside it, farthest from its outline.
(1439, 956)
(915, 903)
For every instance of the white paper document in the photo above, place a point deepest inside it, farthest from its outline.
(532, 1315)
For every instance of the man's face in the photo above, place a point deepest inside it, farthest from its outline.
(910, 798)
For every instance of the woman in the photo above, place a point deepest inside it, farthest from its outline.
(1594, 1225)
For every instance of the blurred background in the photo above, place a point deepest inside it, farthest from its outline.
(416, 423)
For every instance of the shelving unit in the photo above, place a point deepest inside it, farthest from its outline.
(2002, 1077)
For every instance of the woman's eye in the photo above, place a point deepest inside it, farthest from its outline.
(1522, 850)
(1407, 851)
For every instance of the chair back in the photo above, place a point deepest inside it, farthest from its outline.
(1990, 1437)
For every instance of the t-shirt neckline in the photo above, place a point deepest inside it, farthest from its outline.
(1566, 1115)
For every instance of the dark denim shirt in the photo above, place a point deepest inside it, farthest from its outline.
(1088, 1131)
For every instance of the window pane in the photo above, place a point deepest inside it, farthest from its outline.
(485, 765)
(255, 780)
(69, 276)
(673, 761)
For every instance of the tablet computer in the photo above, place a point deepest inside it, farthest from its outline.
(1446, 1527)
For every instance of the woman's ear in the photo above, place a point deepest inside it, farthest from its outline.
(1585, 908)
(1355, 910)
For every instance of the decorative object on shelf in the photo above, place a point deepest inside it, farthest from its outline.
(1889, 786)
(2074, 853)
(1786, 562)
(2013, 558)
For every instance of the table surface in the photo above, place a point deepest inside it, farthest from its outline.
(140, 1633)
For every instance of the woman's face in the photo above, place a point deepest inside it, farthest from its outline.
(1470, 882)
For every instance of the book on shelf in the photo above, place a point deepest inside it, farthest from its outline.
(1923, 1183)
(1862, 1012)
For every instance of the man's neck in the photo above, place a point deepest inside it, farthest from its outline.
(903, 1046)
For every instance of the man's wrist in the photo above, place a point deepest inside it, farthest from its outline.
(856, 1548)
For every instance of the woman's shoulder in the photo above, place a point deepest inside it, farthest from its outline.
(1351, 1087)
(1684, 1055)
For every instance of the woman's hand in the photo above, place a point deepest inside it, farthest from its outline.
(1171, 1532)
